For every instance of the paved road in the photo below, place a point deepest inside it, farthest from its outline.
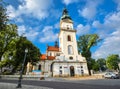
(13, 86)
(79, 84)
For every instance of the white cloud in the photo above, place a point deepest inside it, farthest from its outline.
(83, 29)
(112, 20)
(28, 32)
(32, 35)
(110, 32)
(90, 9)
(21, 30)
(101, 29)
(97, 24)
(69, 1)
(19, 20)
(36, 8)
(111, 23)
(48, 35)
(57, 25)
(11, 11)
(111, 45)
(118, 4)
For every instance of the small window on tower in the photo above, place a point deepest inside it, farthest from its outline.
(67, 26)
(69, 38)
(60, 67)
(81, 66)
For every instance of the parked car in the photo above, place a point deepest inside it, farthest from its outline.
(111, 75)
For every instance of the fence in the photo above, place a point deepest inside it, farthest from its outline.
(24, 76)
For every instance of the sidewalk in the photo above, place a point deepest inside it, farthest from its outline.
(13, 86)
(85, 77)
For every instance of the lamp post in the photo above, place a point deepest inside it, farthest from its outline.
(19, 81)
(119, 67)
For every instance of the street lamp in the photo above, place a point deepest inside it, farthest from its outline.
(19, 81)
(119, 67)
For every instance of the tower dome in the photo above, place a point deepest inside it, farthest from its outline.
(65, 14)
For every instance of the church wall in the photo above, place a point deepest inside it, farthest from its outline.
(63, 69)
(67, 25)
(52, 53)
(45, 66)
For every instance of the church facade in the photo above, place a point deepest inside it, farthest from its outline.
(64, 60)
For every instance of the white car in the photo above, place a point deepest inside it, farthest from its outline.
(111, 75)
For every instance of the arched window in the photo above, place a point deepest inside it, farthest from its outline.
(69, 38)
(50, 54)
(39, 67)
(70, 49)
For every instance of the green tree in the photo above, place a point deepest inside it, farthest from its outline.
(2, 64)
(8, 32)
(85, 43)
(32, 55)
(112, 61)
(102, 64)
(7, 38)
(93, 65)
(3, 15)
(11, 45)
(5, 63)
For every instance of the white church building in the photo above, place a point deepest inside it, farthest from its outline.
(64, 60)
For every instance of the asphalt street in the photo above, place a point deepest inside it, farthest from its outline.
(69, 84)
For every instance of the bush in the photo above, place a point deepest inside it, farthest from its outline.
(7, 72)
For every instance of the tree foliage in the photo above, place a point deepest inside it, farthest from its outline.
(3, 16)
(112, 61)
(12, 45)
(85, 43)
(102, 64)
(32, 55)
(93, 65)
(7, 38)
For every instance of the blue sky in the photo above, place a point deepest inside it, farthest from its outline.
(39, 20)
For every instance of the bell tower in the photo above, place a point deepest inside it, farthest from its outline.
(67, 36)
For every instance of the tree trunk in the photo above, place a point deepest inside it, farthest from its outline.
(89, 69)
(89, 66)
(0, 57)
(1, 69)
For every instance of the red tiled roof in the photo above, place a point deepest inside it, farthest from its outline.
(44, 57)
(52, 48)
(51, 57)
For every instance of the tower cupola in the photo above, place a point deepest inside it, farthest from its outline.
(66, 21)
(65, 14)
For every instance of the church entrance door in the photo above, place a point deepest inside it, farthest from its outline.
(72, 73)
